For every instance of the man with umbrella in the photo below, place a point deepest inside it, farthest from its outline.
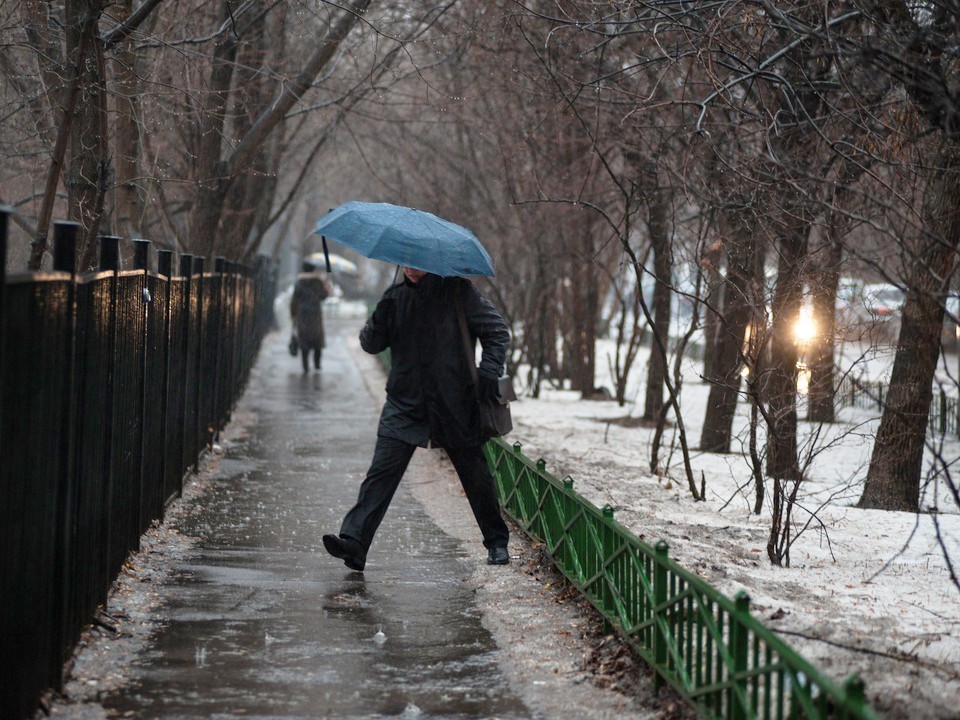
(432, 400)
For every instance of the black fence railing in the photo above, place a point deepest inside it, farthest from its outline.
(871, 395)
(111, 385)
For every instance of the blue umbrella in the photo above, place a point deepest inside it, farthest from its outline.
(407, 237)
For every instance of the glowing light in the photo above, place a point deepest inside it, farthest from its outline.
(805, 329)
(803, 378)
(744, 371)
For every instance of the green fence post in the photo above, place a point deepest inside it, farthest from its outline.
(662, 551)
(535, 491)
(564, 552)
(739, 646)
(606, 546)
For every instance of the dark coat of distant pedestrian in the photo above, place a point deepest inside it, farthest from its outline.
(309, 292)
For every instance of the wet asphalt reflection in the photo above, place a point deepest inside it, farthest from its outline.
(262, 623)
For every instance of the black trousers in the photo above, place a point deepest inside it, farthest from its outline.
(390, 460)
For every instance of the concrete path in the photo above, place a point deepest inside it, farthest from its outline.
(262, 623)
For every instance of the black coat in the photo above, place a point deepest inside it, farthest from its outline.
(309, 293)
(430, 392)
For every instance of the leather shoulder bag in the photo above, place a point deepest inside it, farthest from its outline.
(495, 419)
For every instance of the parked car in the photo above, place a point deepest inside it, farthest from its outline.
(882, 300)
(868, 311)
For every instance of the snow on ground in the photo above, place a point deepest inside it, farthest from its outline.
(866, 591)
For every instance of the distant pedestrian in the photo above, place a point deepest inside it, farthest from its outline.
(309, 292)
(431, 402)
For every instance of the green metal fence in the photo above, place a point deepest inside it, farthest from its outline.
(707, 646)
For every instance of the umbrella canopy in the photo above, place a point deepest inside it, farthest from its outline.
(407, 237)
(338, 263)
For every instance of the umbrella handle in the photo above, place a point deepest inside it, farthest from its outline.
(326, 254)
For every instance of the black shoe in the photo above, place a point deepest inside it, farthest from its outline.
(347, 549)
(498, 556)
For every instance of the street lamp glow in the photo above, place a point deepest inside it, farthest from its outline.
(805, 329)
(803, 378)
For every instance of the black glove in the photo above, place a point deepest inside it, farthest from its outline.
(488, 389)
(384, 312)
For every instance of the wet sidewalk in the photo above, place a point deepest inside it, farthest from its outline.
(260, 622)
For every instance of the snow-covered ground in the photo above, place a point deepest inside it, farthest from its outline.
(866, 591)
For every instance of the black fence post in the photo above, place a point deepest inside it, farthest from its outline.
(10, 694)
(4, 220)
(141, 254)
(141, 261)
(220, 267)
(65, 247)
(110, 262)
(165, 263)
(200, 291)
(65, 260)
(110, 253)
(239, 337)
(186, 271)
(165, 271)
(228, 339)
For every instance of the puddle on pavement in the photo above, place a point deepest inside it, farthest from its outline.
(262, 623)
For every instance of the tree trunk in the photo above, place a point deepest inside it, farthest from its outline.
(540, 339)
(713, 296)
(81, 36)
(247, 191)
(658, 223)
(87, 169)
(585, 303)
(128, 197)
(727, 362)
(821, 406)
(209, 169)
(893, 480)
(824, 285)
(781, 378)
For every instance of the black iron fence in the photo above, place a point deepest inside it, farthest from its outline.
(871, 395)
(111, 385)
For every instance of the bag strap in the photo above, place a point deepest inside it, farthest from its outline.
(465, 335)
